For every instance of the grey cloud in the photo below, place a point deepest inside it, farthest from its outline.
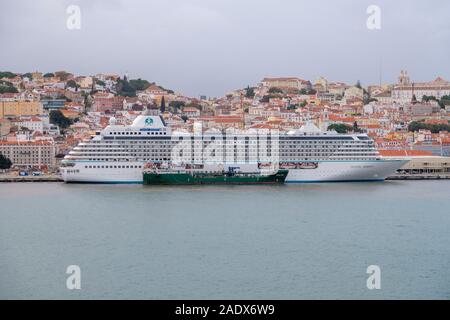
(212, 46)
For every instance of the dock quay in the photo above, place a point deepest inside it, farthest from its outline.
(44, 178)
(419, 177)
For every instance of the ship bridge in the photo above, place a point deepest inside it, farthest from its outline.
(143, 125)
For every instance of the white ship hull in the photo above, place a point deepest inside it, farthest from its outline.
(326, 171)
(345, 171)
(92, 172)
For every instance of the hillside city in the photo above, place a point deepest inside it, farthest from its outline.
(44, 115)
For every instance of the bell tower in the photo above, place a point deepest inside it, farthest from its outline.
(403, 79)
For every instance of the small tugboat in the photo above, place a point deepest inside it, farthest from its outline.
(198, 175)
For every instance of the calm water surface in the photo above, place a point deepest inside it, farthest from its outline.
(311, 241)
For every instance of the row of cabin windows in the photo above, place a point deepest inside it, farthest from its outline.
(113, 167)
(134, 133)
(328, 154)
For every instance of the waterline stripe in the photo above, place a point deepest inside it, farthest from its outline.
(332, 181)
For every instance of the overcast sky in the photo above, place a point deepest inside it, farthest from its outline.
(213, 46)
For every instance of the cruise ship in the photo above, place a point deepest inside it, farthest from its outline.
(119, 154)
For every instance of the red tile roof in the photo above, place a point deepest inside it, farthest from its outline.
(404, 153)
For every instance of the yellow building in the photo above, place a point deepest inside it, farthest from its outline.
(37, 75)
(286, 83)
(20, 108)
(86, 82)
(5, 127)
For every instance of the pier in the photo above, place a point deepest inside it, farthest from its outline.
(44, 178)
(419, 177)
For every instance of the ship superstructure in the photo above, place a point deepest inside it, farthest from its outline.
(119, 153)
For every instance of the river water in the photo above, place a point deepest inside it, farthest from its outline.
(311, 241)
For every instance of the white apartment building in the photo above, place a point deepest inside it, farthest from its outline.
(29, 153)
(33, 123)
(404, 91)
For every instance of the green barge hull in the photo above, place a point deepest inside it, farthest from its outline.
(185, 178)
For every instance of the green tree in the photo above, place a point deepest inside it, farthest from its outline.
(168, 90)
(49, 75)
(62, 75)
(355, 127)
(124, 88)
(58, 118)
(163, 104)
(267, 98)
(275, 90)
(7, 74)
(339, 127)
(428, 98)
(249, 92)
(72, 84)
(139, 84)
(6, 83)
(358, 84)
(128, 88)
(175, 106)
(5, 163)
(445, 101)
(87, 104)
(8, 89)
(434, 128)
